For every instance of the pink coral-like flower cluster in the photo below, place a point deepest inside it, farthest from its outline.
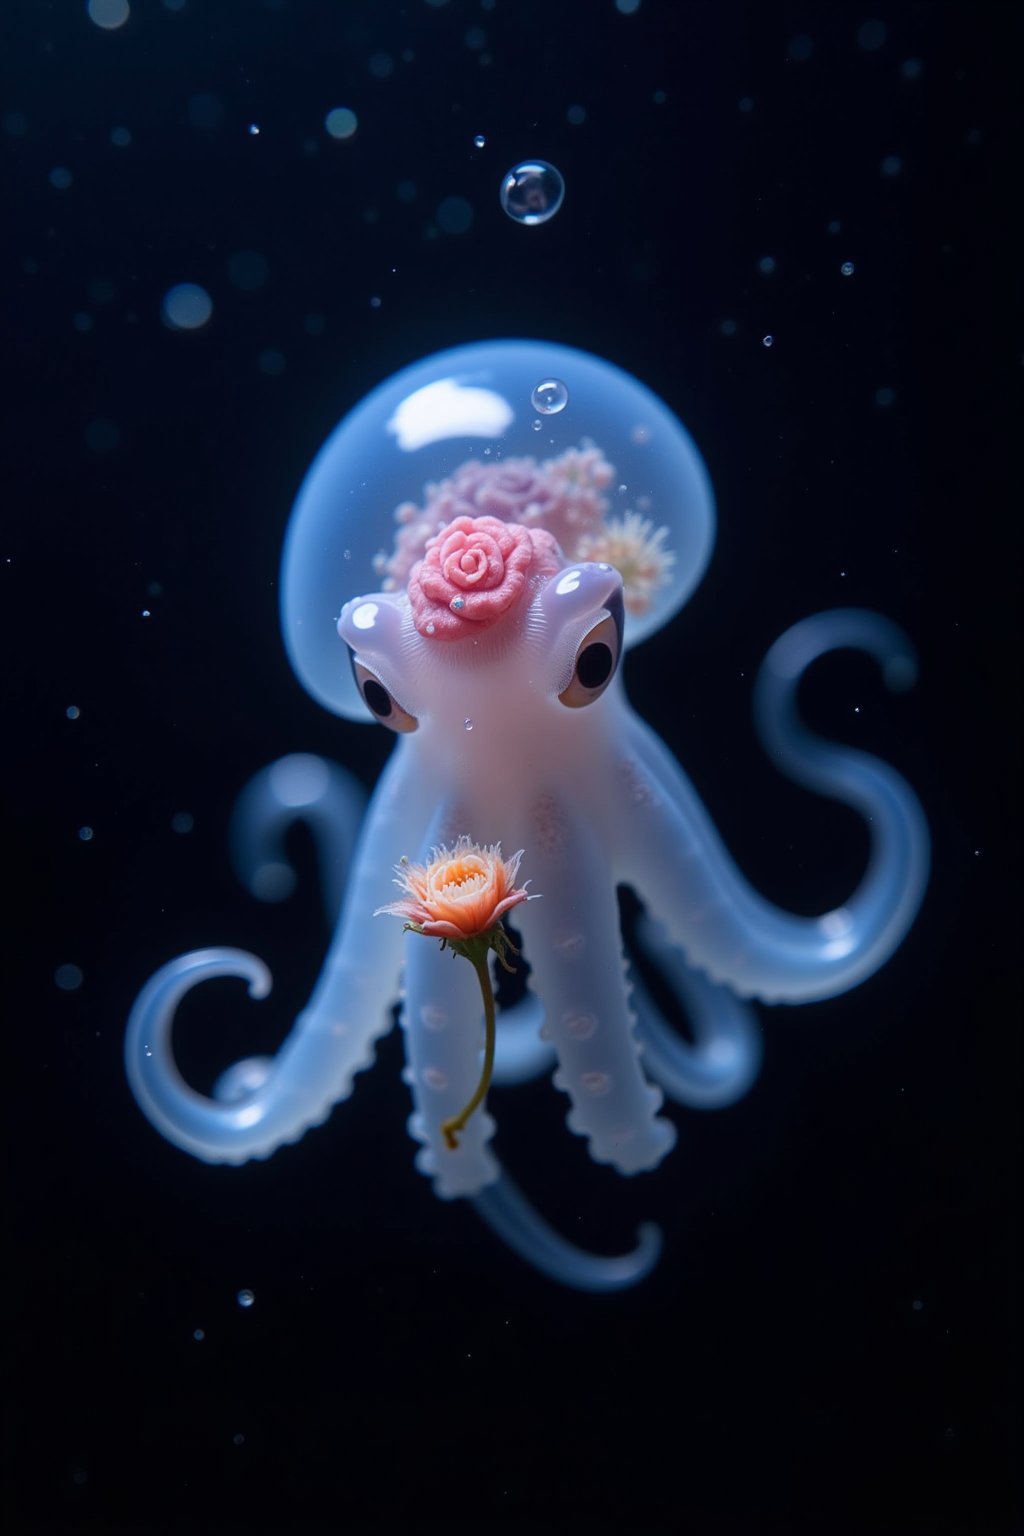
(475, 570)
(563, 496)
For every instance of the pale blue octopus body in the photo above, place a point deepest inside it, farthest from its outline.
(519, 731)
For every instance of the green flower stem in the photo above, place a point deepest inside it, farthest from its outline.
(477, 954)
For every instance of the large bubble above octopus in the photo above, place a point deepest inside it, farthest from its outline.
(532, 192)
(528, 431)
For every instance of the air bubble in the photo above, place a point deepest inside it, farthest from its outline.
(467, 725)
(532, 192)
(549, 397)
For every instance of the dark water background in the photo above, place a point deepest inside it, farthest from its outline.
(777, 1372)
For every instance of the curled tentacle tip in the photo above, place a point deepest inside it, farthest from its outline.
(900, 672)
(649, 1243)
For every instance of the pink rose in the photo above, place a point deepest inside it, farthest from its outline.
(473, 571)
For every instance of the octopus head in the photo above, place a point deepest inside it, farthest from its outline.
(494, 627)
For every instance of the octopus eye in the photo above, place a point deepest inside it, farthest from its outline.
(382, 705)
(596, 660)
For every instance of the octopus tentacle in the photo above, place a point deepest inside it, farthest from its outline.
(521, 1054)
(442, 1023)
(723, 925)
(258, 1108)
(574, 948)
(723, 1062)
(511, 1217)
(306, 788)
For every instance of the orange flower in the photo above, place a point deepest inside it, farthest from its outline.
(460, 898)
(461, 894)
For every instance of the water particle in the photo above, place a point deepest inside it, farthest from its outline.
(199, 1335)
(85, 834)
(206, 111)
(245, 1298)
(767, 341)
(186, 307)
(454, 215)
(872, 35)
(479, 140)
(341, 122)
(248, 270)
(847, 269)
(60, 178)
(120, 137)
(182, 822)
(72, 711)
(68, 977)
(108, 14)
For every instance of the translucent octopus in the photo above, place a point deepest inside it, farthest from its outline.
(496, 526)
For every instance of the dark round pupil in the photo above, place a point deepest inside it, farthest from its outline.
(595, 665)
(377, 698)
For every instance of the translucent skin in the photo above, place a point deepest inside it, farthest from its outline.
(595, 800)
